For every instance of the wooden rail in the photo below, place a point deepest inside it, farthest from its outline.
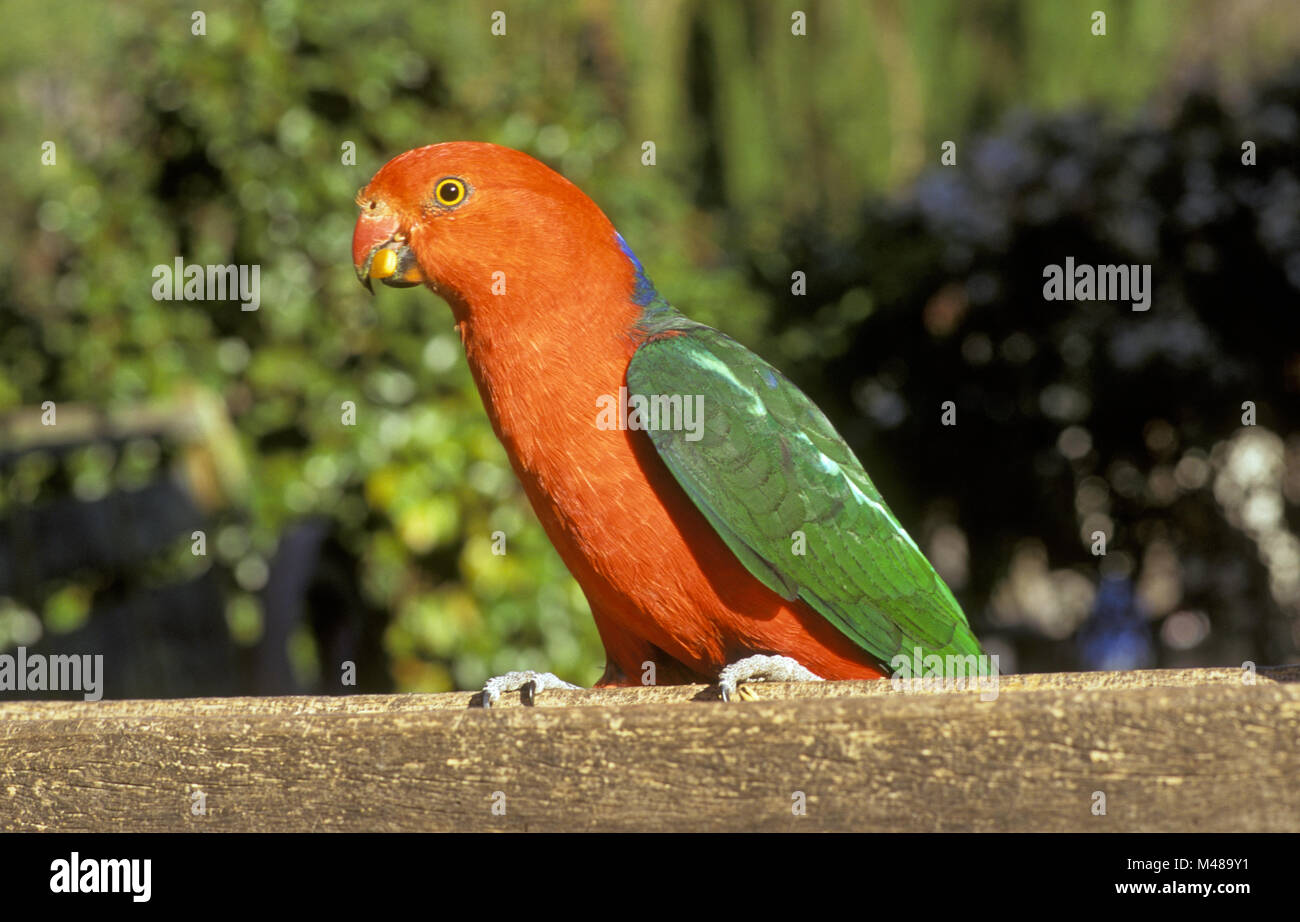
(1157, 750)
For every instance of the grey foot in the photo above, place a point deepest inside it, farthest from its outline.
(763, 668)
(528, 681)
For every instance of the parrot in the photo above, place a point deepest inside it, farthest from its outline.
(730, 537)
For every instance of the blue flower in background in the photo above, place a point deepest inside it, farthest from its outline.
(1117, 634)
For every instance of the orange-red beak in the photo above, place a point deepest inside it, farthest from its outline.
(380, 251)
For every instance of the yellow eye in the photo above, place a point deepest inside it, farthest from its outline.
(449, 192)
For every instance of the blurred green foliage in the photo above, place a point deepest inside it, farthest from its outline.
(227, 148)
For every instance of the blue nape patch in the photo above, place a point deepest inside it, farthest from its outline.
(644, 291)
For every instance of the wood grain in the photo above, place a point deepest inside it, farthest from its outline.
(1169, 749)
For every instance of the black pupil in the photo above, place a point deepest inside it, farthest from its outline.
(450, 192)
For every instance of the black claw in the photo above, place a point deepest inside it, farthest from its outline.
(528, 692)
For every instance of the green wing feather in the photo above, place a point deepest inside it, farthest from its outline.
(769, 464)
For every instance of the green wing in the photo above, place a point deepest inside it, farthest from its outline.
(767, 464)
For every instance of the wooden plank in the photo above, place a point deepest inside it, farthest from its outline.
(1170, 750)
(663, 694)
